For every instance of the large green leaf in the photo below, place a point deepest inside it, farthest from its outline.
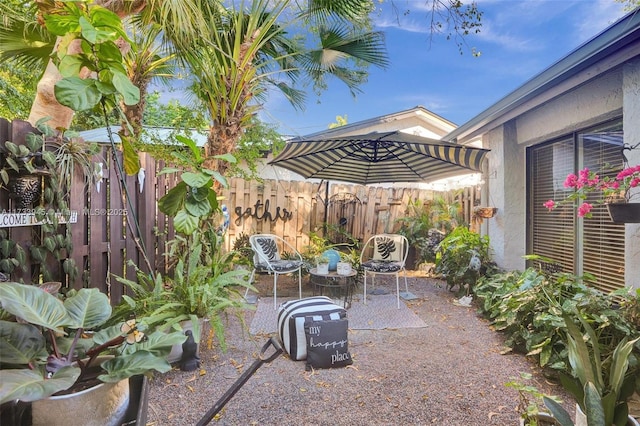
(157, 343)
(171, 203)
(77, 93)
(197, 207)
(70, 65)
(33, 304)
(190, 143)
(586, 367)
(130, 155)
(88, 308)
(185, 223)
(620, 363)
(107, 334)
(558, 412)
(130, 93)
(125, 366)
(196, 180)
(593, 405)
(110, 22)
(20, 344)
(30, 385)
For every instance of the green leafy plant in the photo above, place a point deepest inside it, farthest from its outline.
(194, 197)
(90, 36)
(242, 249)
(203, 283)
(25, 158)
(528, 307)
(46, 337)
(462, 257)
(415, 226)
(49, 152)
(12, 255)
(600, 384)
(530, 399)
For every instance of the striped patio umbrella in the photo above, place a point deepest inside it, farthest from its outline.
(379, 157)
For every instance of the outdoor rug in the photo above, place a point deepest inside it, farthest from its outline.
(380, 312)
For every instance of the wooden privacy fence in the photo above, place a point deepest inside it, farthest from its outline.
(118, 219)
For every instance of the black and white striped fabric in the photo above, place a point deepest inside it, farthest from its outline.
(379, 157)
(292, 316)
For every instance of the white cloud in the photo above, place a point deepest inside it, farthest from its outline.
(594, 16)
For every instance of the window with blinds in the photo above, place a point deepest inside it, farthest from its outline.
(553, 232)
(594, 245)
(603, 241)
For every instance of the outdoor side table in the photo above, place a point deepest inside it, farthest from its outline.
(334, 285)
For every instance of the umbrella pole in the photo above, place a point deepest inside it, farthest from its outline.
(326, 209)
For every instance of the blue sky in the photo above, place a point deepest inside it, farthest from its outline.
(518, 39)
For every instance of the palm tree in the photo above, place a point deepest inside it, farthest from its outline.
(251, 52)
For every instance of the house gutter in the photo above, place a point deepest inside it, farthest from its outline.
(611, 40)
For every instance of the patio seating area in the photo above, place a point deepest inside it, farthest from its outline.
(448, 372)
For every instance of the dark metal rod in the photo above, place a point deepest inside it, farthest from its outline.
(242, 380)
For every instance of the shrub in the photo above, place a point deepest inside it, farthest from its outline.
(462, 257)
(528, 307)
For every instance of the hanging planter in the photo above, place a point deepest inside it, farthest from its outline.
(624, 212)
(485, 212)
(25, 189)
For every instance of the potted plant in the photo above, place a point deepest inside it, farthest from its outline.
(322, 265)
(21, 172)
(71, 154)
(529, 401)
(52, 346)
(601, 385)
(462, 257)
(202, 283)
(614, 191)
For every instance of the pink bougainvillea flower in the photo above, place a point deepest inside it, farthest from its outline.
(607, 188)
(570, 181)
(584, 209)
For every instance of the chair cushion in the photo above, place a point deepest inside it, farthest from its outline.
(382, 266)
(281, 265)
(267, 248)
(388, 248)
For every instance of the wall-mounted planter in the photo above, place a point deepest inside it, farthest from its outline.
(485, 212)
(624, 212)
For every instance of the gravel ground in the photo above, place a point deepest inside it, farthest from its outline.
(451, 372)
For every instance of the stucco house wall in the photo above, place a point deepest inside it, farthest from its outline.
(597, 82)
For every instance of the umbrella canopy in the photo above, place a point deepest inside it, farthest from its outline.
(379, 157)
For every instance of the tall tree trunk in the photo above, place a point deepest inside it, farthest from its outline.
(45, 103)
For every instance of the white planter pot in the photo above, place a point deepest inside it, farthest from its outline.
(343, 268)
(102, 405)
(323, 269)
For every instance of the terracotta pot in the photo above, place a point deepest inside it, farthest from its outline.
(624, 212)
